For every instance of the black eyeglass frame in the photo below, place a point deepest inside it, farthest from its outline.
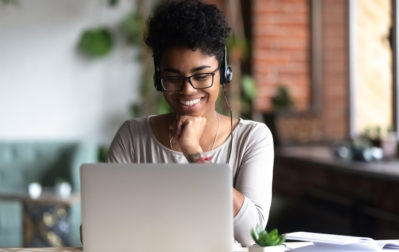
(185, 79)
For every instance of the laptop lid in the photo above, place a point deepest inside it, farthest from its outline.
(157, 207)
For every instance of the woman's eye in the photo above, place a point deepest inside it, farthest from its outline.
(172, 79)
(200, 77)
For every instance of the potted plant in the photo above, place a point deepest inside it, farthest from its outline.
(267, 241)
(282, 101)
(278, 119)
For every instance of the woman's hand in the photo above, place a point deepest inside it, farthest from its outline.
(187, 132)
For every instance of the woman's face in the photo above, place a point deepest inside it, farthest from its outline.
(183, 62)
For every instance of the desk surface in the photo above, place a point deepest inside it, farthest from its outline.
(61, 249)
(322, 156)
(290, 245)
(46, 197)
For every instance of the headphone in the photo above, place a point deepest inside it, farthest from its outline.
(226, 73)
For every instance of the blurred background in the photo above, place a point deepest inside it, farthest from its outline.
(322, 74)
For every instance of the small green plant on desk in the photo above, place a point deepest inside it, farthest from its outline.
(267, 241)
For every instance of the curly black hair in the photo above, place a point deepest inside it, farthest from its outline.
(189, 23)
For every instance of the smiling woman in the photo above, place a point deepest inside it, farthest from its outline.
(194, 95)
(188, 40)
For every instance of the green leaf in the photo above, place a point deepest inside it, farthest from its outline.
(113, 3)
(14, 2)
(102, 153)
(248, 87)
(136, 109)
(264, 238)
(163, 107)
(96, 42)
(254, 236)
(242, 44)
(282, 101)
(131, 27)
(259, 229)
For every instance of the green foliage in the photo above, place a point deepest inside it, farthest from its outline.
(238, 44)
(221, 105)
(248, 94)
(131, 27)
(248, 87)
(113, 3)
(163, 106)
(362, 141)
(135, 110)
(96, 42)
(282, 101)
(265, 239)
(102, 154)
(14, 2)
(60, 180)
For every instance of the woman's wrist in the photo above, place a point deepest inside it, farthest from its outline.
(189, 151)
(198, 157)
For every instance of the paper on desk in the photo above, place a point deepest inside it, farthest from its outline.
(389, 244)
(325, 238)
(330, 243)
(296, 245)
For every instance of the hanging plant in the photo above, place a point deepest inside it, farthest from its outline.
(96, 42)
(113, 3)
(15, 2)
(131, 27)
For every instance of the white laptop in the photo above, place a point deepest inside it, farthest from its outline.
(157, 207)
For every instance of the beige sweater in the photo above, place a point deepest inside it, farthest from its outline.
(251, 159)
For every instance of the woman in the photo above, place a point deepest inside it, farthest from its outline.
(188, 41)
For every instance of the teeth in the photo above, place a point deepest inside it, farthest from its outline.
(190, 103)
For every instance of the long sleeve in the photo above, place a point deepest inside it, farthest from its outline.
(254, 180)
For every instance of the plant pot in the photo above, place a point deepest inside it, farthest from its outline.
(257, 248)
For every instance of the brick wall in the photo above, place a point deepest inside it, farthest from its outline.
(281, 41)
(281, 54)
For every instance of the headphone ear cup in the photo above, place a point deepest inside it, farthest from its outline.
(222, 76)
(157, 76)
(157, 81)
(228, 75)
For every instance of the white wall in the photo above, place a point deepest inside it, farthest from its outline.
(47, 89)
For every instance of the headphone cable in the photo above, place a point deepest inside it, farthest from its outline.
(231, 122)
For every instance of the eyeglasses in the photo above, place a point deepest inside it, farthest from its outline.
(197, 81)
